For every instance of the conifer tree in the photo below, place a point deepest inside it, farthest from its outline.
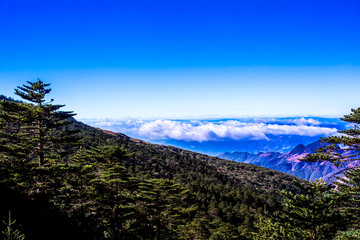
(342, 149)
(166, 206)
(349, 187)
(268, 229)
(27, 129)
(15, 140)
(10, 233)
(315, 214)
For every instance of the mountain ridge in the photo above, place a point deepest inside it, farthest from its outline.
(224, 166)
(290, 162)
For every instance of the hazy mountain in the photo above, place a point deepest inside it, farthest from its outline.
(289, 162)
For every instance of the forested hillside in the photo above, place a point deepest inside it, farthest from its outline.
(62, 179)
(85, 183)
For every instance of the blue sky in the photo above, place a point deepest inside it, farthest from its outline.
(181, 59)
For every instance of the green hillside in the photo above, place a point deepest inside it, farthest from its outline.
(111, 186)
(62, 179)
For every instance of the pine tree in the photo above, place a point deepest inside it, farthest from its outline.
(166, 206)
(268, 229)
(341, 149)
(349, 187)
(107, 189)
(315, 214)
(15, 139)
(9, 232)
(27, 129)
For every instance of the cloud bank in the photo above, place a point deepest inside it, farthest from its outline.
(201, 131)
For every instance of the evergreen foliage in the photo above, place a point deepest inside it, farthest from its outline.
(10, 233)
(344, 148)
(349, 187)
(109, 186)
(27, 130)
(268, 228)
(101, 185)
(314, 214)
(351, 234)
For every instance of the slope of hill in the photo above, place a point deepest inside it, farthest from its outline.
(223, 197)
(289, 162)
(143, 151)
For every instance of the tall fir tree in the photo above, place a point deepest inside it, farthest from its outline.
(27, 129)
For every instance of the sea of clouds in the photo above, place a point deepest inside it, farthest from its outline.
(216, 130)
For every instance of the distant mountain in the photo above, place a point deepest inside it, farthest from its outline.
(289, 162)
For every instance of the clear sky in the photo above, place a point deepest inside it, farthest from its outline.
(150, 59)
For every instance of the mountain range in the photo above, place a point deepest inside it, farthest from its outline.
(290, 162)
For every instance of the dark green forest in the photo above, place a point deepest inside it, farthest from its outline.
(62, 179)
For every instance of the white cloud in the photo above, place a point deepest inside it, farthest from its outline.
(304, 121)
(205, 130)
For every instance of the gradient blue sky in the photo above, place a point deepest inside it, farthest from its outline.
(149, 59)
